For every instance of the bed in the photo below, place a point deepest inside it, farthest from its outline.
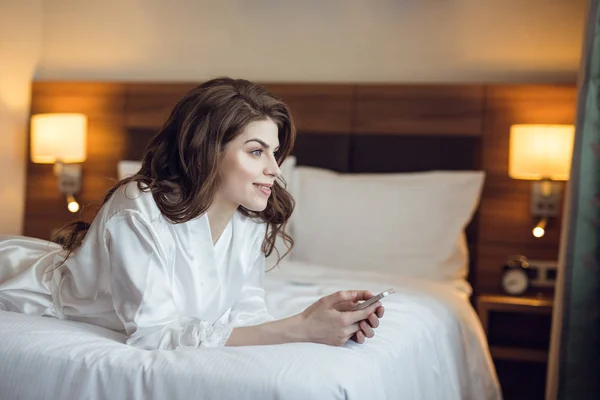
(429, 346)
(373, 212)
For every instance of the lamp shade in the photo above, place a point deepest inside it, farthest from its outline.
(540, 151)
(58, 138)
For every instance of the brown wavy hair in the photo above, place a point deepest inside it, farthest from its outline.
(181, 162)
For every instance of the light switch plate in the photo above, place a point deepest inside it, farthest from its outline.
(69, 178)
(545, 205)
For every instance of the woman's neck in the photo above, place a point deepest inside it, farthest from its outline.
(219, 216)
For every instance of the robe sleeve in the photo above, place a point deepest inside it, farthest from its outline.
(251, 307)
(141, 283)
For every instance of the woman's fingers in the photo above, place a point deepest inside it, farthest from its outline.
(366, 329)
(352, 329)
(364, 314)
(368, 325)
(373, 320)
(356, 325)
(359, 337)
(345, 296)
(362, 295)
(346, 305)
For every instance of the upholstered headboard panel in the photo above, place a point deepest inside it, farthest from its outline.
(363, 153)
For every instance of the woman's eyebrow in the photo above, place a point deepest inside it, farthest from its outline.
(265, 145)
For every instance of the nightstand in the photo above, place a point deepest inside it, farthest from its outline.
(518, 334)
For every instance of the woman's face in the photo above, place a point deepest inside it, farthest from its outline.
(249, 168)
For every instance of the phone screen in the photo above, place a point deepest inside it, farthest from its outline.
(372, 300)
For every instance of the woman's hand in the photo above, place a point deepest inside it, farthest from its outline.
(366, 326)
(328, 320)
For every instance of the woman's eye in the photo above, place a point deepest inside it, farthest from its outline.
(257, 152)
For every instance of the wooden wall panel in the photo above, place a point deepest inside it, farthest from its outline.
(103, 103)
(505, 222)
(317, 108)
(419, 109)
(149, 105)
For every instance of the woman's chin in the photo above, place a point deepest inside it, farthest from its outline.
(255, 206)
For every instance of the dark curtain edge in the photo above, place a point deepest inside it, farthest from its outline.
(592, 23)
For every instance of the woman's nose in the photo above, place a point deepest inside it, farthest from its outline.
(273, 168)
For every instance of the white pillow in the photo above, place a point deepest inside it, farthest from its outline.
(401, 223)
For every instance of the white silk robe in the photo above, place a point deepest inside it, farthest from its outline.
(165, 285)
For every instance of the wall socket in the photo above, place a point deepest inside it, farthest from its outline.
(543, 273)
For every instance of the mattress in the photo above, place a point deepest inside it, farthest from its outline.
(430, 345)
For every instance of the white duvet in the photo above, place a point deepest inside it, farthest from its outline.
(430, 345)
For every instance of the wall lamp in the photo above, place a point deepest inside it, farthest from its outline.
(60, 139)
(542, 153)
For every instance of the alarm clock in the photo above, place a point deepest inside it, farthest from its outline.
(516, 276)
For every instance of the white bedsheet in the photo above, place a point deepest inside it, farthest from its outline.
(430, 345)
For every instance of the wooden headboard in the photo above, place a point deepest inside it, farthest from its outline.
(344, 127)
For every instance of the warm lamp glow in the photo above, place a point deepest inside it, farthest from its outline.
(72, 204)
(540, 228)
(541, 151)
(58, 138)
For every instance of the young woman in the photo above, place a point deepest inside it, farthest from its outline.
(176, 255)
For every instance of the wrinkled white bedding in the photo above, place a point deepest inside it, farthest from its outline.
(430, 345)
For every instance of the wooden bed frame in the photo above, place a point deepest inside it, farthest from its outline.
(343, 127)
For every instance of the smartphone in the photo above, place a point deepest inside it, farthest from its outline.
(373, 299)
